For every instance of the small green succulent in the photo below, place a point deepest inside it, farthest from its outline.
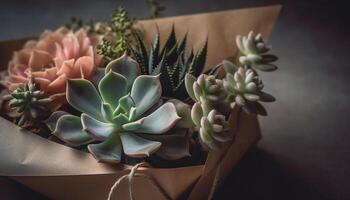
(118, 36)
(206, 87)
(244, 89)
(29, 102)
(118, 115)
(253, 50)
(171, 61)
(212, 126)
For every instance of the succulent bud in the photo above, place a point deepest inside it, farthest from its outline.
(245, 90)
(253, 50)
(28, 101)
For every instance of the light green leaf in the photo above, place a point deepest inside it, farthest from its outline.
(189, 80)
(112, 87)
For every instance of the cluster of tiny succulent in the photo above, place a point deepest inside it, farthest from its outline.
(29, 103)
(120, 115)
(118, 36)
(171, 61)
(243, 84)
(253, 50)
(241, 87)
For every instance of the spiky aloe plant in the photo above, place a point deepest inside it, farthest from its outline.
(29, 103)
(172, 61)
(118, 115)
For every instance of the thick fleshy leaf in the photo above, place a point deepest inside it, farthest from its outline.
(145, 92)
(97, 76)
(51, 122)
(229, 67)
(109, 151)
(125, 104)
(196, 113)
(70, 130)
(107, 111)
(189, 80)
(160, 121)
(266, 67)
(208, 139)
(97, 129)
(265, 97)
(125, 66)
(184, 111)
(136, 146)
(83, 96)
(175, 144)
(112, 87)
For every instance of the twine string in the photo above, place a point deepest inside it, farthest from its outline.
(130, 177)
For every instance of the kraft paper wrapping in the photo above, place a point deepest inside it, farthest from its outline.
(60, 172)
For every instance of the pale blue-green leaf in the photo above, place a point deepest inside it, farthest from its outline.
(51, 122)
(175, 143)
(125, 66)
(184, 111)
(70, 130)
(97, 129)
(160, 121)
(109, 151)
(136, 146)
(145, 92)
(82, 95)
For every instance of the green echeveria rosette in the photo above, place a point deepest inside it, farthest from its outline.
(117, 114)
(245, 90)
(29, 103)
(254, 52)
(213, 128)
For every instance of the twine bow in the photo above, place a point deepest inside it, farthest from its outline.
(130, 177)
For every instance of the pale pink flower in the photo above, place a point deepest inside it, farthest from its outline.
(53, 59)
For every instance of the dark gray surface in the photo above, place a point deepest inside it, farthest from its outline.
(304, 153)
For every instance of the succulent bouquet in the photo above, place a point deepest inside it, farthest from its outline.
(144, 102)
(102, 88)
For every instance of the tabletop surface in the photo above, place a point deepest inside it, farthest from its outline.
(304, 153)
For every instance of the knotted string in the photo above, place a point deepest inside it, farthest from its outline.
(130, 177)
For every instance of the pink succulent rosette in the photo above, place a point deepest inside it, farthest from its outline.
(53, 59)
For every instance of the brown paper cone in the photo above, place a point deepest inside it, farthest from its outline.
(60, 172)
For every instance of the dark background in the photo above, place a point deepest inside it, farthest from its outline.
(304, 153)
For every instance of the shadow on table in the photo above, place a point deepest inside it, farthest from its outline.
(259, 176)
